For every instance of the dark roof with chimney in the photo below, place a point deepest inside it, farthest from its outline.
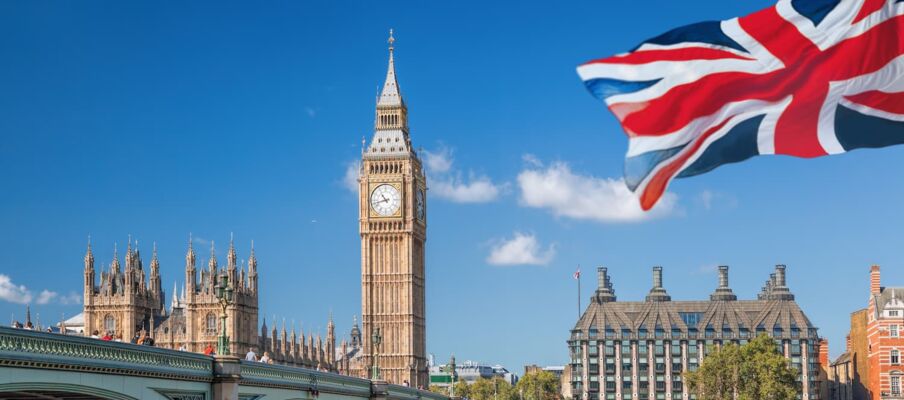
(775, 308)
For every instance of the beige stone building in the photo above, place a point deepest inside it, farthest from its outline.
(129, 301)
(393, 227)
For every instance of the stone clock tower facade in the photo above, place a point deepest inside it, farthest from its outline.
(393, 227)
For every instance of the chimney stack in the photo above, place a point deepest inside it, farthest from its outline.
(780, 275)
(824, 354)
(604, 292)
(658, 293)
(779, 289)
(723, 292)
(875, 284)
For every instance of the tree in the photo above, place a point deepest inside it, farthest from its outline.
(754, 371)
(438, 389)
(541, 385)
(462, 389)
(491, 389)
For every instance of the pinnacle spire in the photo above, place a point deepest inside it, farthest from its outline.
(212, 263)
(230, 257)
(89, 255)
(390, 95)
(175, 303)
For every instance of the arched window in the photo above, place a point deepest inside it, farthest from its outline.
(211, 324)
(110, 324)
(895, 357)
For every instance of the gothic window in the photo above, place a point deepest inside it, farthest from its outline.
(110, 324)
(211, 324)
(895, 357)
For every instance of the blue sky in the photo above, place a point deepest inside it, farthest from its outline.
(160, 119)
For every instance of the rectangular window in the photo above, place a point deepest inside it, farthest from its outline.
(893, 330)
(895, 358)
(895, 385)
(893, 313)
(690, 318)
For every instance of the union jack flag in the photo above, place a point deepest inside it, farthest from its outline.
(804, 78)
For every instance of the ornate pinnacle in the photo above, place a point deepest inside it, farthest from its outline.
(391, 40)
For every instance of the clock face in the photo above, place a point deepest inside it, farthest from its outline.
(420, 205)
(385, 200)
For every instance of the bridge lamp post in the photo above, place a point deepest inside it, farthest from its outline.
(376, 339)
(225, 296)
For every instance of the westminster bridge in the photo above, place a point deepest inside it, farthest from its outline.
(39, 365)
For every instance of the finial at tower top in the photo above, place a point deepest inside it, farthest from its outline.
(391, 40)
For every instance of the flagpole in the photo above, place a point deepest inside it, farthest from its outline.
(579, 291)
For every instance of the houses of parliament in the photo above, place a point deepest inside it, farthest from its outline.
(125, 299)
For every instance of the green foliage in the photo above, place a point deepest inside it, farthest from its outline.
(491, 389)
(462, 389)
(438, 389)
(542, 385)
(755, 371)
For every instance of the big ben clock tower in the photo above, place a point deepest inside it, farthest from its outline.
(393, 226)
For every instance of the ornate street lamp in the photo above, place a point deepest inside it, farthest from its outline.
(375, 340)
(225, 296)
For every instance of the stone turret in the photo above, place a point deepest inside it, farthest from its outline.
(252, 270)
(90, 279)
(191, 273)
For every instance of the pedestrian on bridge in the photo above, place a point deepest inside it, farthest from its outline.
(251, 356)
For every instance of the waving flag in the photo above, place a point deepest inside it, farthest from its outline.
(804, 78)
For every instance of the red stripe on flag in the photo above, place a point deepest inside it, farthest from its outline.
(869, 7)
(657, 185)
(888, 102)
(683, 54)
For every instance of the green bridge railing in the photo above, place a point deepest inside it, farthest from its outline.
(20, 348)
(32, 349)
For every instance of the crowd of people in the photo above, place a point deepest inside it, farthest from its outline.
(141, 338)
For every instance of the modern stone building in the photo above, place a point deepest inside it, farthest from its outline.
(639, 349)
(129, 301)
(393, 228)
(872, 366)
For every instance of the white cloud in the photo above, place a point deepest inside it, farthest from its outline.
(447, 183)
(46, 296)
(522, 249)
(13, 293)
(438, 162)
(571, 195)
(712, 199)
(71, 298)
(479, 190)
(707, 198)
(352, 173)
(531, 160)
(20, 294)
